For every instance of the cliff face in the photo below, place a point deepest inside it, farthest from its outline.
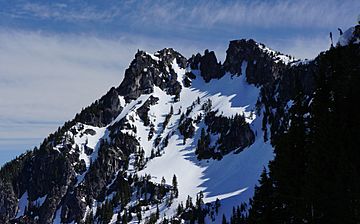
(147, 71)
(169, 118)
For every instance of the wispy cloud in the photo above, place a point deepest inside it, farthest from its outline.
(46, 78)
(264, 14)
(61, 11)
(50, 78)
(200, 13)
(297, 14)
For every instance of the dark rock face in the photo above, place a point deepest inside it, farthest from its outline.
(103, 111)
(145, 72)
(209, 66)
(194, 61)
(261, 68)
(144, 109)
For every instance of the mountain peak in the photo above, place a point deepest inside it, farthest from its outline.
(149, 70)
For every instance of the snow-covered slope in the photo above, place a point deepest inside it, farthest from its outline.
(123, 152)
(231, 179)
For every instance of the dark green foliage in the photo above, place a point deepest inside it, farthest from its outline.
(167, 118)
(11, 170)
(217, 205)
(138, 214)
(175, 186)
(235, 134)
(224, 220)
(187, 128)
(261, 204)
(315, 176)
(238, 216)
(104, 212)
(194, 213)
(102, 112)
(207, 106)
(189, 203)
(157, 214)
(180, 209)
(89, 219)
(203, 150)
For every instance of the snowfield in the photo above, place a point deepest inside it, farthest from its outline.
(231, 180)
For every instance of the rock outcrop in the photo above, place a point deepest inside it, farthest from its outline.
(147, 71)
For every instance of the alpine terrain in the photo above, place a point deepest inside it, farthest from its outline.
(260, 138)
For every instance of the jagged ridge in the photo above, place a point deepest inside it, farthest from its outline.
(99, 158)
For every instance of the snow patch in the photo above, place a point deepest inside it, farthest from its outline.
(286, 59)
(57, 218)
(347, 37)
(85, 140)
(152, 56)
(23, 203)
(40, 201)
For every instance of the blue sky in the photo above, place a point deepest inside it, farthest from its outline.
(59, 56)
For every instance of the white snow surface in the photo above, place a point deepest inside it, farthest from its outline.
(40, 201)
(231, 179)
(286, 59)
(23, 202)
(83, 140)
(57, 218)
(347, 36)
(153, 56)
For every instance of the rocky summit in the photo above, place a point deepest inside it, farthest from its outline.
(189, 141)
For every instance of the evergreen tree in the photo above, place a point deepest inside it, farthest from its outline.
(179, 209)
(157, 212)
(217, 205)
(224, 220)
(314, 177)
(175, 186)
(189, 203)
(138, 213)
(89, 219)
